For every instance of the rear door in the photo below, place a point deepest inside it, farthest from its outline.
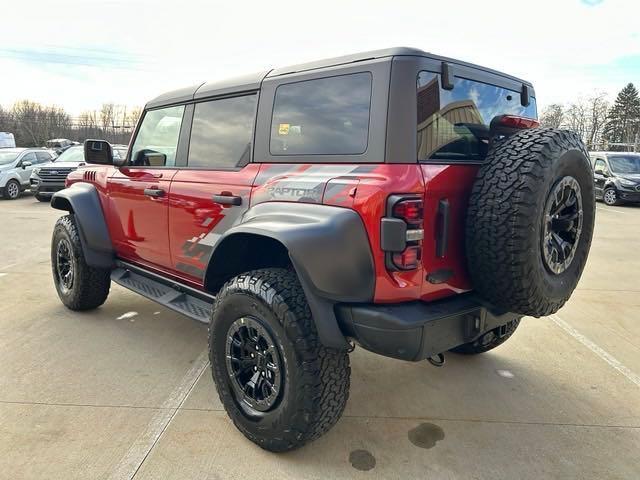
(139, 191)
(211, 190)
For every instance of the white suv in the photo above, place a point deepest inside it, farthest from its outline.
(16, 165)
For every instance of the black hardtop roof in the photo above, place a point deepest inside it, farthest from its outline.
(253, 81)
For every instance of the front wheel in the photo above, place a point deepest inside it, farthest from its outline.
(79, 286)
(281, 387)
(11, 190)
(610, 197)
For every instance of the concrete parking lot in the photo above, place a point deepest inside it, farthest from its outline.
(125, 391)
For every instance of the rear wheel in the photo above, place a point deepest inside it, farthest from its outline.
(79, 286)
(281, 387)
(490, 340)
(610, 197)
(11, 190)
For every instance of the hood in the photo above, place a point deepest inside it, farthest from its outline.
(55, 165)
(634, 177)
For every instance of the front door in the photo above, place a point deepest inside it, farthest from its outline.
(599, 176)
(25, 172)
(211, 192)
(139, 191)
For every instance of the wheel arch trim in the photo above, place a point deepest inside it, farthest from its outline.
(82, 200)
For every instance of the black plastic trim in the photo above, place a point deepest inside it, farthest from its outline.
(82, 200)
(447, 76)
(417, 330)
(442, 238)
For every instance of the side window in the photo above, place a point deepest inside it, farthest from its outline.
(326, 116)
(600, 165)
(157, 139)
(43, 157)
(454, 124)
(221, 132)
(29, 157)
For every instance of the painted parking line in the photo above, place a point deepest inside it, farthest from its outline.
(140, 449)
(609, 209)
(604, 355)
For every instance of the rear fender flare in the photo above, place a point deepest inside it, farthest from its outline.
(329, 250)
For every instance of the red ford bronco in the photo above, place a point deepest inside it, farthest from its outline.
(397, 200)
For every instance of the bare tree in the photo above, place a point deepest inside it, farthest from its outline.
(597, 109)
(552, 116)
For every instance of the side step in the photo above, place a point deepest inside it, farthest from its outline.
(180, 298)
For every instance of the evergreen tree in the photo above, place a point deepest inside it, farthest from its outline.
(623, 121)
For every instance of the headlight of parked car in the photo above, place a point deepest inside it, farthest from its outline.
(627, 183)
(35, 171)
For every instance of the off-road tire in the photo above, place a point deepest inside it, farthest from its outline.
(489, 340)
(90, 285)
(607, 198)
(505, 220)
(42, 198)
(316, 379)
(11, 186)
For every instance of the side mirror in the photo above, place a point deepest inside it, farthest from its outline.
(99, 152)
(24, 165)
(599, 171)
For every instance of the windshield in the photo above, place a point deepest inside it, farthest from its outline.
(624, 164)
(8, 157)
(74, 154)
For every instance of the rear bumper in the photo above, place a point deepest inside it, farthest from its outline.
(417, 330)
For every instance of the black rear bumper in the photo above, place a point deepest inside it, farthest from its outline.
(417, 330)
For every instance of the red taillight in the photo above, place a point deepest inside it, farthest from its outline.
(402, 232)
(408, 259)
(409, 210)
(514, 121)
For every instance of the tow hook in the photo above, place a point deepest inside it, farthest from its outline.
(436, 360)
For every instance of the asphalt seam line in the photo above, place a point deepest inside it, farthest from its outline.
(604, 355)
(133, 459)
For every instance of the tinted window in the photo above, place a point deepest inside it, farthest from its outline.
(625, 164)
(454, 124)
(157, 139)
(221, 132)
(327, 116)
(43, 157)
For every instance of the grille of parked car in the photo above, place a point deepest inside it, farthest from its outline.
(54, 174)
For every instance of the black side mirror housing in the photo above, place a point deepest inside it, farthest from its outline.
(599, 171)
(99, 152)
(24, 165)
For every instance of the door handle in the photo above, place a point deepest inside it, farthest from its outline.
(153, 192)
(227, 199)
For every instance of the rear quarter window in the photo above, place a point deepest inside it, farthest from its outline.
(324, 116)
(453, 125)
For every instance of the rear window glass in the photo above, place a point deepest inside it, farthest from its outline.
(454, 124)
(325, 116)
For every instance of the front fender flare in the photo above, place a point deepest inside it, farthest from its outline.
(83, 201)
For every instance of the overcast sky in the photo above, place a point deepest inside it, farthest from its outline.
(80, 54)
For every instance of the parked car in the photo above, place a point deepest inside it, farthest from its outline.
(616, 177)
(16, 165)
(7, 140)
(59, 145)
(50, 177)
(393, 199)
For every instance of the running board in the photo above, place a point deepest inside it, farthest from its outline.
(177, 297)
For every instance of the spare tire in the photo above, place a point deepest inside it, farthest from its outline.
(530, 221)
